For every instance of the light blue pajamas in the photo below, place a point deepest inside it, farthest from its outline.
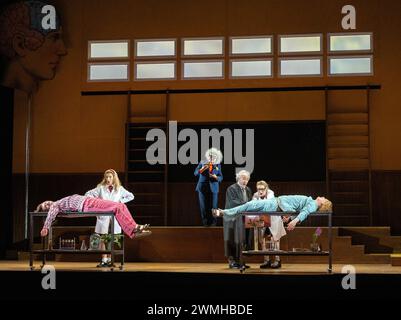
(302, 204)
(254, 206)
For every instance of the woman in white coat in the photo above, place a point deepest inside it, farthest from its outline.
(109, 188)
(276, 228)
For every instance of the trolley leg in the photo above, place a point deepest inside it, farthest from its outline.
(112, 243)
(330, 245)
(31, 242)
(122, 256)
(241, 257)
(44, 252)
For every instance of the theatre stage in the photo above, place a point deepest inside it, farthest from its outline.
(215, 268)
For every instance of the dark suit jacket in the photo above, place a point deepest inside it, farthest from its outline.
(234, 196)
(233, 226)
(204, 182)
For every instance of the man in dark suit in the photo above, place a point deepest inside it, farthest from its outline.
(209, 177)
(236, 194)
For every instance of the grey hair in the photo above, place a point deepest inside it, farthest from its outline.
(242, 173)
(214, 153)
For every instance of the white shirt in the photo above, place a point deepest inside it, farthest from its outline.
(270, 195)
(276, 223)
(116, 195)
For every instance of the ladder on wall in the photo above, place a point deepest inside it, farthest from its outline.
(348, 156)
(149, 183)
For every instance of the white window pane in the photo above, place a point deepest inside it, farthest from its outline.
(155, 48)
(350, 65)
(108, 72)
(350, 42)
(203, 47)
(109, 49)
(251, 68)
(300, 67)
(203, 69)
(300, 44)
(249, 46)
(155, 71)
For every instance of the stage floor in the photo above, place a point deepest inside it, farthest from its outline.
(147, 284)
(215, 268)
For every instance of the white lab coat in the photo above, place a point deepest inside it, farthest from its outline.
(119, 195)
(276, 223)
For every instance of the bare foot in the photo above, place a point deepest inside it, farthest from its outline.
(217, 213)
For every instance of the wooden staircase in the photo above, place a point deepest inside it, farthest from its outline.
(148, 182)
(348, 156)
(375, 239)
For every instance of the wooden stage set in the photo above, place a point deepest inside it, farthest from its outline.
(182, 263)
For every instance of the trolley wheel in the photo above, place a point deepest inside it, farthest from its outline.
(112, 269)
(329, 270)
(242, 269)
(121, 268)
(32, 268)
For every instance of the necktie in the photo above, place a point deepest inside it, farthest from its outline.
(244, 196)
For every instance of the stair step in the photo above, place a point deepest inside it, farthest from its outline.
(347, 141)
(146, 187)
(347, 197)
(139, 143)
(336, 164)
(349, 175)
(334, 118)
(348, 153)
(351, 220)
(149, 176)
(347, 104)
(350, 186)
(146, 171)
(137, 154)
(378, 231)
(139, 194)
(143, 165)
(147, 125)
(141, 132)
(348, 130)
(141, 119)
(145, 205)
(396, 259)
(351, 209)
(146, 210)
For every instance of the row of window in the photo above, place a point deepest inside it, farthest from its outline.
(260, 45)
(250, 57)
(166, 70)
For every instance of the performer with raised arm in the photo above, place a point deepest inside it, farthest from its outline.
(209, 176)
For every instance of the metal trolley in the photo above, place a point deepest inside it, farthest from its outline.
(47, 242)
(328, 253)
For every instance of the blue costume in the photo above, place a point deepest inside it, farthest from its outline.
(208, 191)
(302, 204)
